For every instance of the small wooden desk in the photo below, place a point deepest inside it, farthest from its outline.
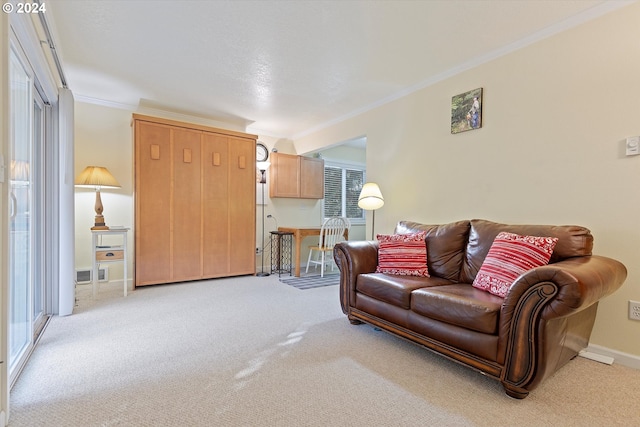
(299, 233)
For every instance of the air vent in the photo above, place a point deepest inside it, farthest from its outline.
(83, 275)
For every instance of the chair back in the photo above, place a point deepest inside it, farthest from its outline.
(331, 232)
(347, 222)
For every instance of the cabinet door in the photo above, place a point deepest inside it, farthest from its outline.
(216, 200)
(153, 201)
(242, 207)
(311, 178)
(186, 206)
(284, 175)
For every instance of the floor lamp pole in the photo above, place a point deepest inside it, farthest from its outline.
(263, 181)
(373, 223)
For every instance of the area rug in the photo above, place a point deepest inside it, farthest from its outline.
(310, 282)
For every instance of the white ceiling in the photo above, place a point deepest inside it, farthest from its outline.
(285, 68)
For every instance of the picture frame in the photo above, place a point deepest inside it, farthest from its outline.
(466, 111)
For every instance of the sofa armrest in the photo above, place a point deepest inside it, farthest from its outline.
(353, 258)
(579, 282)
(534, 319)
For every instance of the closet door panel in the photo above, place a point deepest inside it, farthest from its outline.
(153, 200)
(242, 207)
(216, 235)
(187, 205)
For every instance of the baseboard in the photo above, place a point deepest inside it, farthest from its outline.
(596, 357)
(624, 359)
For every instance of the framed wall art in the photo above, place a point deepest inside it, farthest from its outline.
(466, 111)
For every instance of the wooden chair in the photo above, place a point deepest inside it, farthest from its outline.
(331, 233)
(347, 223)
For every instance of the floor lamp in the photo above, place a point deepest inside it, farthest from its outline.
(262, 167)
(371, 199)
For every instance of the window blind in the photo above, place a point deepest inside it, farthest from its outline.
(342, 187)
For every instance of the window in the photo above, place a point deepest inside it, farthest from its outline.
(342, 185)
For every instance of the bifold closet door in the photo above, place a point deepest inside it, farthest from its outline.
(186, 206)
(216, 200)
(153, 203)
(195, 202)
(242, 208)
(229, 204)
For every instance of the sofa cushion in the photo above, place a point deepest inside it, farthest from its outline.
(510, 256)
(572, 241)
(459, 304)
(445, 246)
(404, 254)
(393, 289)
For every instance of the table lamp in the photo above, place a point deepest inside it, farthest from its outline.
(97, 177)
(371, 199)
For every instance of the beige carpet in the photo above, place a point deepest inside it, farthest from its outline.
(255, 352)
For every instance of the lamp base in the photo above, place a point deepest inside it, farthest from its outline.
(99, 223)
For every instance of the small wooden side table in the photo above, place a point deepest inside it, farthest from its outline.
(108, 254)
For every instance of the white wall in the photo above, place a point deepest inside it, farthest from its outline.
(550, 151)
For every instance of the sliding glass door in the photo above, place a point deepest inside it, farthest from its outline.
(20, 221)
(27, 294)
(38, 283)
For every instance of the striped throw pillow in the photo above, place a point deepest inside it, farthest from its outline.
(510, 256)
(403, 254)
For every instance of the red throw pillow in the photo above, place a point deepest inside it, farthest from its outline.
(511, 255)
(403, 254)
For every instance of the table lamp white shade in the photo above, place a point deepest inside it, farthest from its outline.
(97, 177)
(371, 199)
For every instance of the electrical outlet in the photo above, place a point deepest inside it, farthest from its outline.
(634, 310)
(257, 250)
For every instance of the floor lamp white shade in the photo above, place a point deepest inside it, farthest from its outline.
(371, 199)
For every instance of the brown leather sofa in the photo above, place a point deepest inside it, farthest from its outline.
(543, 322)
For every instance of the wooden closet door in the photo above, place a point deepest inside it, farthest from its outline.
(242, 207)
(216, 234)
(153, 202)
(186, 209)
(195, 201)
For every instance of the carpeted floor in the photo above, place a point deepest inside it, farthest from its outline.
(253, 351)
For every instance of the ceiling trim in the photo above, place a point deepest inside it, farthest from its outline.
(103, 102)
